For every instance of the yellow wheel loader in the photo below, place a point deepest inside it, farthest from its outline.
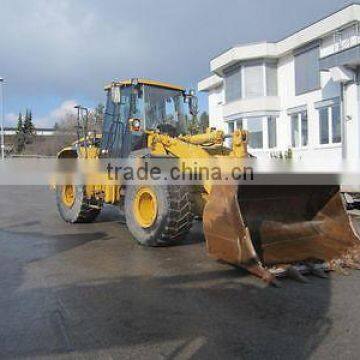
(270, 231)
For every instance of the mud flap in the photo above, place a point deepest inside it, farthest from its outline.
(258, 227)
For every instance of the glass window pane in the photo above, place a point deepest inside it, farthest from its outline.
(255, 129)
(295, 132)
(254, 81)
(272, 131)
(336, 124)
(233, 85)
(239, 124)
(163, 106)
(271, 80)
(324, 126)
(231, 127)
(307, 71)
(304, 128)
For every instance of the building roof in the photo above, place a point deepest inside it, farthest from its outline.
(210, 83)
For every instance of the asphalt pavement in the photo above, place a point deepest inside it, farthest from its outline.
(89, 291)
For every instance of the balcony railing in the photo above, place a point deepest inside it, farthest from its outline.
(347, 37)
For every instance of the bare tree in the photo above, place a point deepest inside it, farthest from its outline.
(66, 131)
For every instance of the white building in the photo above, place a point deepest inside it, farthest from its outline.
(302, 92)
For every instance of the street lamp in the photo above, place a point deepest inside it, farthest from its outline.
(2, 118)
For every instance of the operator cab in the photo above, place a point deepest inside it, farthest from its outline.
(138, 105)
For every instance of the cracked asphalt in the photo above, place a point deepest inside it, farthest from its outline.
(89, 291)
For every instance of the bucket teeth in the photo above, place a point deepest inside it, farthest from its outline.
(258, 270)
(295, 274)
(354, 265)
(339, 269)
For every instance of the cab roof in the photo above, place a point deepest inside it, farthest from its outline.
(146, 82)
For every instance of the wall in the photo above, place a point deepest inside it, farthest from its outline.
(352, 120)
(329, 89)
(216, 100)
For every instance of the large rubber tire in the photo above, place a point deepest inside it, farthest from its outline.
(173, 219)
(82, 210)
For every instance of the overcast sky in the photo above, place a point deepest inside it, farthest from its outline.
(54, 54)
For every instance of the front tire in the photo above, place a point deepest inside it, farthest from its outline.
(74, 206)
(158, 215)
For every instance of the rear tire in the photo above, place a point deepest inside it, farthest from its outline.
(76, 207)
(173, 217)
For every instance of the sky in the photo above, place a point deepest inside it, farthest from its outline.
(55, 54)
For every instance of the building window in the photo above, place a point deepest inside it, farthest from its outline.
(299, 129)
(251, 81)
(255, 129)
(304, 128)
(330, 125)
(271, 80)
(295, 134)
(233, 85)
(231, 127)
(235, 125)
(239, 124)
(271, 123)
(307, 70)
(254, 81)
(324, 130)
(262, 131)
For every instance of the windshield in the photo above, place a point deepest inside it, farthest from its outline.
(115, 117)
(164, 107)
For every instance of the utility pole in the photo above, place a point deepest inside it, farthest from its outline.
(2, 118)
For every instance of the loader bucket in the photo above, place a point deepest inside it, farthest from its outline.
(259, 227)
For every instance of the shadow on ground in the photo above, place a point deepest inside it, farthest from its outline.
(95, 298)
(229, 319)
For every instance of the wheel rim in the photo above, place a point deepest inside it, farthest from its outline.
(68, 195)
(145, 207)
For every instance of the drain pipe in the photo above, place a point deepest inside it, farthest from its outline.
(343, 121)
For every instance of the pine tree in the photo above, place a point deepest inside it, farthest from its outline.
(20, 125)
(29, 128)
(19, 140)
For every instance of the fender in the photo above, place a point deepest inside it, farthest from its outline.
(67, 153)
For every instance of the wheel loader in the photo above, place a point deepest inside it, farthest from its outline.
(271, 231)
